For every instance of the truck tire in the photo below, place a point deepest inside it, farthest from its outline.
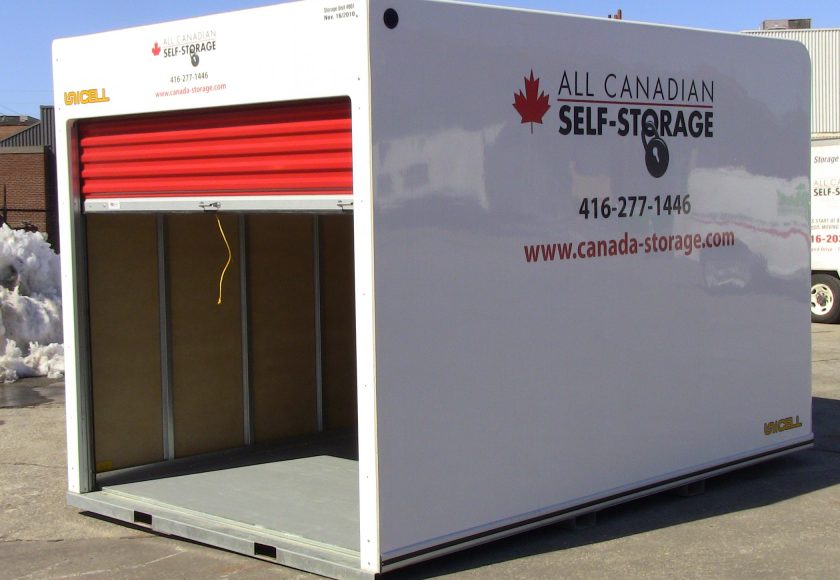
(825, 299)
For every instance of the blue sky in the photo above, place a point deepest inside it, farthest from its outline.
(30, 26)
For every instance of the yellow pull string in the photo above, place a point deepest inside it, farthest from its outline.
(230, 257)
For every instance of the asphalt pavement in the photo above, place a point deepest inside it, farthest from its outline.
(777, 519)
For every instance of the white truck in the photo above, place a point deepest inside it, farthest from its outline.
(823, 45)
(351, 285)
(825, 230)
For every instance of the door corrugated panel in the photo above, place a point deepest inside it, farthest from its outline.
(300, 148)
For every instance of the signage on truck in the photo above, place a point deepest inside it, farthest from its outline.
(825, 206)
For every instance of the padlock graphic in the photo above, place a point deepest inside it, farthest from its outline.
(656, 151)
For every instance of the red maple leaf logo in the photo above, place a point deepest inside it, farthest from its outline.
(156, 49)
(533, 105)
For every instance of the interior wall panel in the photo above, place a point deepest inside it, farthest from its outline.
(281, 298)
(338, 320)
(124, 340)
(205, 336)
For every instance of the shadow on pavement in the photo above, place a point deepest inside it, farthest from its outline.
(752, 487)
(826, 414)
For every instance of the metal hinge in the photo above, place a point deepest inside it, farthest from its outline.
(345, 205)
(210, 206)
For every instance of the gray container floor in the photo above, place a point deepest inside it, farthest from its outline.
(307, 491)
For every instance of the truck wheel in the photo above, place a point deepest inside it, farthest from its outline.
(825, 299)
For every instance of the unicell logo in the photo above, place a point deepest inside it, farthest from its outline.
(85, 97)
(650, 108)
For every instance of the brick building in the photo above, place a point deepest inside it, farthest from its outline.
(28, 196)
(11, 124)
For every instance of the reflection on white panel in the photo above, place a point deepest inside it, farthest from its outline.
(765, 213)
(584, 185)
(449, 163)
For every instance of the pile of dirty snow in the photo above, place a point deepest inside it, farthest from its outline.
(30, 307)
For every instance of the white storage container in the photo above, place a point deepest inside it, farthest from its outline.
(351, 285)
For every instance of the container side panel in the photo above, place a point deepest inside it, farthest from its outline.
(124, 340)
(206, 336)
(541, 340)
(282, 325)
(74, 317)
(285, 53)
(338, 321)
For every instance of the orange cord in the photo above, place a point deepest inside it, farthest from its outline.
(230, 257)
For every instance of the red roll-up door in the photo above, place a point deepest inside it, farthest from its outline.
(301, 148)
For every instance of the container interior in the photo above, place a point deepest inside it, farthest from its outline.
(227, 391)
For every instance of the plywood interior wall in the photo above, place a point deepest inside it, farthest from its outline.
(338, 320)
(124, 340)
(281, 300)
(206, 337)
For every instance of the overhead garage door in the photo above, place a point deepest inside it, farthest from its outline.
(301, 148)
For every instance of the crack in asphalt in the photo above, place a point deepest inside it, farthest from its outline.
(113, 572)
(22, 541)
(25, 464)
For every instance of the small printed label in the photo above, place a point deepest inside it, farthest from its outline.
(106, 465)
(340, 12)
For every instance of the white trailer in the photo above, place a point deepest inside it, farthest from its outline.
(825, 230)
(823, 45)
(349, 285)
